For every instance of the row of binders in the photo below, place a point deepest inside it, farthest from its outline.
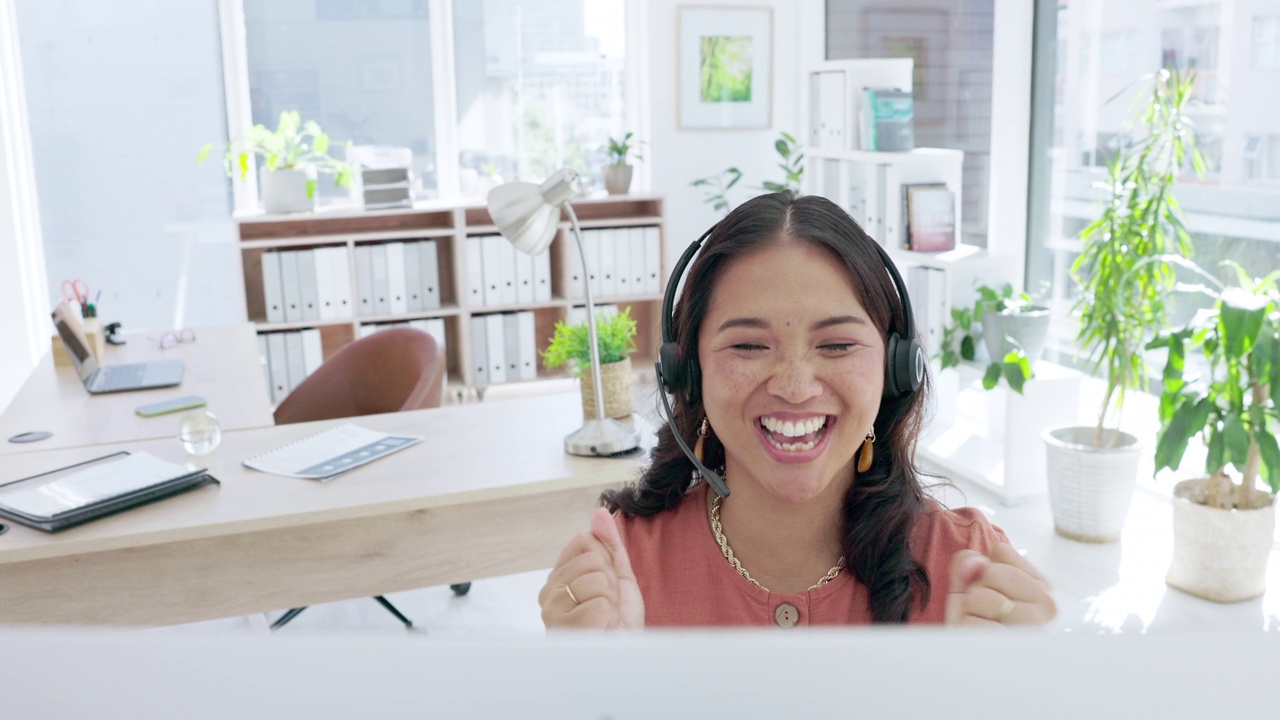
(499, 274)
(290, 357)
(315, 284)
(504, 348)
(621, 262)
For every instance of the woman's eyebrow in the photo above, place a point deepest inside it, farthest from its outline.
(761, 323)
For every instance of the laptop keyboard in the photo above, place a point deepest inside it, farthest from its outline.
(122, 376)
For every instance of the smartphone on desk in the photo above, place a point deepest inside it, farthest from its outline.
(168, 406)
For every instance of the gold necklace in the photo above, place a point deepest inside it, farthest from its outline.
(727, 551)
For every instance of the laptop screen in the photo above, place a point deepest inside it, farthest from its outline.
(74, 340)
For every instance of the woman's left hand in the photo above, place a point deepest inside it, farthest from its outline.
(1002, 589)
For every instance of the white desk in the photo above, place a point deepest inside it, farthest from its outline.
(222, 365)
(490, 491)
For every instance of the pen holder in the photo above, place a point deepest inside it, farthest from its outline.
(93, 332)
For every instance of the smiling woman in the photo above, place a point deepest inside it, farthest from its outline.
(787, 316)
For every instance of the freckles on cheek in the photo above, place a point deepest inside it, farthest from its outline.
(727, 379)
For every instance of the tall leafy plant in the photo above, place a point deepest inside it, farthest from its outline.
(1234, 407)
(1123, 299)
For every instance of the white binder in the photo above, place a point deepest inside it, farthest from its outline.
(496, 346)
(312, 351)
(367, 330)
(264, 357)
(577, 271)
(479, 351)
(639, 278)
(475, 271)
(542, 277)
(396, 275)
(272, 292)
(507, 267)
(292, 290)
(278, 366)
(622, 263)
(307, 281)
(524, 276)
(591, 239)
(413, 277)
(293, 354)
(364, 280)
(381, 284)
(608, 263)
(655, 282)
(340, 266)
(429, 257)
(494, 248)
(324, 283)
(528, 340)
(511, 339)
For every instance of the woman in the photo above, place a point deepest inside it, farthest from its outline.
(787, 309)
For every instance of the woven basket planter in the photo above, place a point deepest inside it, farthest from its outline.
(1090, 488)
(618, 396)
(1219, 555)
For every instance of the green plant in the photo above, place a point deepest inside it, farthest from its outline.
(615, 337)
(716, 187)
(959, 337)
(1123, 298)
(1236, 407)
(293, 144)
(619, 149)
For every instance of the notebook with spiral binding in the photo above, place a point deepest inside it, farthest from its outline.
(68, 496)
(328, 454)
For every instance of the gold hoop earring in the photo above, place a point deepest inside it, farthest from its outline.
(868, 452)
(703, 432)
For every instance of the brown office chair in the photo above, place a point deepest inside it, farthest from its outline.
(393, 370)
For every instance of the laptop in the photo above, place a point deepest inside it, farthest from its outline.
(113, 378)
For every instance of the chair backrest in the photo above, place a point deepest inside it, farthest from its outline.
(396, 369)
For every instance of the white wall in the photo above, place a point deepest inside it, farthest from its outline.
(24, 325)
(677, 157)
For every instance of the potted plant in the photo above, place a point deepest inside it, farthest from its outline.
(617, 174)
(1223, 530)
(294, 152)
(715, 188)
(1013, 329)
(1125, 282)
(615, 333)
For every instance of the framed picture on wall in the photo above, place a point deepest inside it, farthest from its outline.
(725, 66)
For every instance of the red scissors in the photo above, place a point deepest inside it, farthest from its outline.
(76, 291)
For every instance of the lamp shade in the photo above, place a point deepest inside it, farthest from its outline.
(527, 214)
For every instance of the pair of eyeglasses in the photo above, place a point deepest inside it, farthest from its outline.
(175, 337)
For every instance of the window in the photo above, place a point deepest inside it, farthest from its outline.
(360, 69)
(1233, 210)
(540, 86)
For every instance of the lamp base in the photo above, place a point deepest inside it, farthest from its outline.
(602, 437)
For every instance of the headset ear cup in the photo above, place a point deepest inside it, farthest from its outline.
(891, 384)
(693, 382)
(670, 368)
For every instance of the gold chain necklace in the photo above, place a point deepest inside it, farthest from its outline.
(727, 551)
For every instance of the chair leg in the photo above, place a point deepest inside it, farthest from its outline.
(392, 609)
(461, 589)
(285, 618)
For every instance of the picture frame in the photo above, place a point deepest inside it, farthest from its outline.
(724, 67)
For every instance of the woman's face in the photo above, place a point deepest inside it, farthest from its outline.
(792, 369)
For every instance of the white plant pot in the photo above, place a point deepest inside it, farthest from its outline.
(1028, 327)
(285, 191)
(1090, 487)
(1219, 555)
(617, 179)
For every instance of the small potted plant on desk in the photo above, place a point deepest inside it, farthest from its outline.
(1013, 328)
(615, 333)
(1223, 530)
(617, 174)
(1125, 281)
(294, 152)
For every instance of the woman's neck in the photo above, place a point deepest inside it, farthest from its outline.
(786, 547)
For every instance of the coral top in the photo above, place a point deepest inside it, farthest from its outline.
(686, 581)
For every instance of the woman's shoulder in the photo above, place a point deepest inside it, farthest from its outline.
(943, 529)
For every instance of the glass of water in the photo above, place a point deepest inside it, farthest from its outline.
(200, 432)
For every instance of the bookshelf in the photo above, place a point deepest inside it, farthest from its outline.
(449, 228)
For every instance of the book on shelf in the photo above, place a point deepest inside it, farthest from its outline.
(929, 220)
(886, 120)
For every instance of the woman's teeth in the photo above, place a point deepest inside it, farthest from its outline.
(803, 435)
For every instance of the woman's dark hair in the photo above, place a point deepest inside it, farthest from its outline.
(883, 504)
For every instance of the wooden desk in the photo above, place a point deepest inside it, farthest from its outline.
(489, 491)
(222, 365)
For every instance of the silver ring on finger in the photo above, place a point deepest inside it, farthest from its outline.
(1006, 609)
(572, 597)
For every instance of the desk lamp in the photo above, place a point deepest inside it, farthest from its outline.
(528, 215)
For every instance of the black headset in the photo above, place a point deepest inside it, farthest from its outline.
(904, 357)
